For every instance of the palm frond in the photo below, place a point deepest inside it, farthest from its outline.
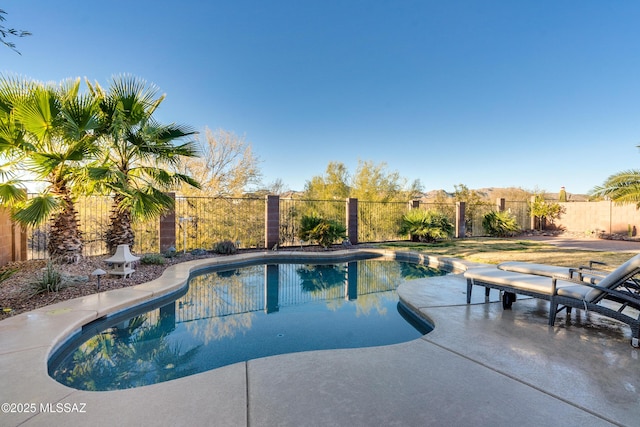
(622, 187)
(138, 99)
(81, 116)
(13, 89)
(149, 203)
(37, 209)
(12, 192)
(37, 113)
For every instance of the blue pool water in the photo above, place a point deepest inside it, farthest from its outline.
(240, 314)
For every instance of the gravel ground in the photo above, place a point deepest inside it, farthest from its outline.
(17, 292)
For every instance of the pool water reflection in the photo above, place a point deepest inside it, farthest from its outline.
(240, 314)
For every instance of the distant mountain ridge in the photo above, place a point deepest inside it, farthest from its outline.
(489, 193)
(508, 193)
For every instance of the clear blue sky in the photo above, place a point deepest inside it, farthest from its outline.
(534, 94)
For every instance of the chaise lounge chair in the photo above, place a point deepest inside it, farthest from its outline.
(586, 273)
(569, 292)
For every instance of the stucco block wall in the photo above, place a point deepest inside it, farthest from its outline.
(5, 238)
(601, 216)
(12, 243)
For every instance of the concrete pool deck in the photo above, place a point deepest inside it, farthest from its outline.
(480, 366)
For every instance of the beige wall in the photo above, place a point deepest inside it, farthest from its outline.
(12, 244)
(601, 216)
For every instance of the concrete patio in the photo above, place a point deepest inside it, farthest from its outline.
(480, 366)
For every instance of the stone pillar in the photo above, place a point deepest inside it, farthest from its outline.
(460, 225)
(352, 220)
(168, 227)
(533, 218)
(500, 204)
(272, 222)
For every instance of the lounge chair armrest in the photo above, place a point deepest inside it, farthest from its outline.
(592, 263)
(577, 280)
(584, 269)
(576, 270)
(626, 296)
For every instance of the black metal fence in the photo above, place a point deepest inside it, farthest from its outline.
(292, 210)
(201, 222)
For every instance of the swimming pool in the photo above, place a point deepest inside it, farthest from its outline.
(231, 315)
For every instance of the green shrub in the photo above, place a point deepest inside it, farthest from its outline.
(154, 259)
(50, 281)
(225, 247)
(320, 230)
(426, 225)
(500, 224)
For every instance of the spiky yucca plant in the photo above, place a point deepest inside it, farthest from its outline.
(500, 224)
(426, 225)
(321, 230)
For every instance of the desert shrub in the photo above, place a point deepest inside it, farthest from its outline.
(425, 225)
(225, 247)
(5, 274)
(321, 230)
(154, 259)
(50, 281)
(500, 224)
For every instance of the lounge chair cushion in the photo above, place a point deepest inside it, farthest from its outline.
(583, 293)
(537, 269)
(549, 271)
(528, 282)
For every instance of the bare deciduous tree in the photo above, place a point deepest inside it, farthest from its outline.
(226, 167)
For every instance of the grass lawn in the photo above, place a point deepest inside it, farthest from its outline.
(494, 250)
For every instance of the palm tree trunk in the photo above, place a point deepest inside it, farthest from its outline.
(120, 231)
(65, 241)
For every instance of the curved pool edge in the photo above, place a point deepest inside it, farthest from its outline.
(50, 326)
(28, 340)
(407, 297)
(471, 356)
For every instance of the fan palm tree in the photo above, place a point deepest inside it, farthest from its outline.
(11, 141)
(622, 187)
(47, 132)
(138, 157)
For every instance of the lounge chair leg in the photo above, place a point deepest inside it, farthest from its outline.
(635, 342)
(553, 309)
(507, 300)
(469, 288)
